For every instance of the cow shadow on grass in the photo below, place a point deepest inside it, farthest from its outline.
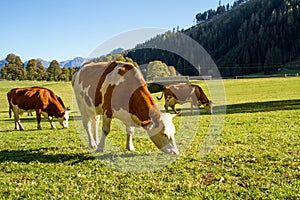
(244, 108)
(125, 154)
(40, 155)
(187, 111)
(263, 106)
(26, 119)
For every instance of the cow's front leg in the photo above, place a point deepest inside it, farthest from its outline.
(51, 122)
(105, 131)
(129, 144)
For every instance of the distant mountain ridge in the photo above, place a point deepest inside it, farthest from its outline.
(117, 51)
(76, 62)
(2, 62)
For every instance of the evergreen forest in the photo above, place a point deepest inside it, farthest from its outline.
(255, 36)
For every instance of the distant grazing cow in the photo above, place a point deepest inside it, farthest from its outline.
(116, 89)
(42, 100)
(182, 93)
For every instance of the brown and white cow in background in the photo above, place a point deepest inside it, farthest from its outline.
(118, 90)
(41, 100)
(184, 92)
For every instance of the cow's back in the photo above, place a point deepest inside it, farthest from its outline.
(35, 98)
(108, 86)
(87, 79)
(24, 98)
(181, 92)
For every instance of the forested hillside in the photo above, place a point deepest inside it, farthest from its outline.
(256, 36)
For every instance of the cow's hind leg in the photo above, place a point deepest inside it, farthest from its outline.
(18, 125)
(173, 108)
(172, 105)
(105, 131)
(95, 126)
(129, 144)
(167, 103)
(38, 118)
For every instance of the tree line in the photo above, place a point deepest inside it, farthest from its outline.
(14, 69)
(153, 68)
(210, 14)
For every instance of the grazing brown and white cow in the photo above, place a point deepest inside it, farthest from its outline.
(41, 100)
(118, 90)
(184, 92)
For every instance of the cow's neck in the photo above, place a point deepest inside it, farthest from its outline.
(55, 109)
(204, 99)
(143, 105)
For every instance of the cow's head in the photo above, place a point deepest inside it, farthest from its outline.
(162, 133)
(63, 120)
(209, 107)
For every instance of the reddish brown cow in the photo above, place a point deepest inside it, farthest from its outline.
(182, 93)
(42, 100)
(118, 90)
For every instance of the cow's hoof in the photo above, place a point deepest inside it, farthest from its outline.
(130, 148)
(99, 150)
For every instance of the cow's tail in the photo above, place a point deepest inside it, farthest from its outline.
(9, 105)
(159, 98)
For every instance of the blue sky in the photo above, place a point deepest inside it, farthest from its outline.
(64, 29)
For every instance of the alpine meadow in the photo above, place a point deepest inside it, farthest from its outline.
(256, 156)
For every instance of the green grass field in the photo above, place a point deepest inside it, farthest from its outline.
(257, 155)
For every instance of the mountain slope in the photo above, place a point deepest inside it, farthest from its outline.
(256, 36)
